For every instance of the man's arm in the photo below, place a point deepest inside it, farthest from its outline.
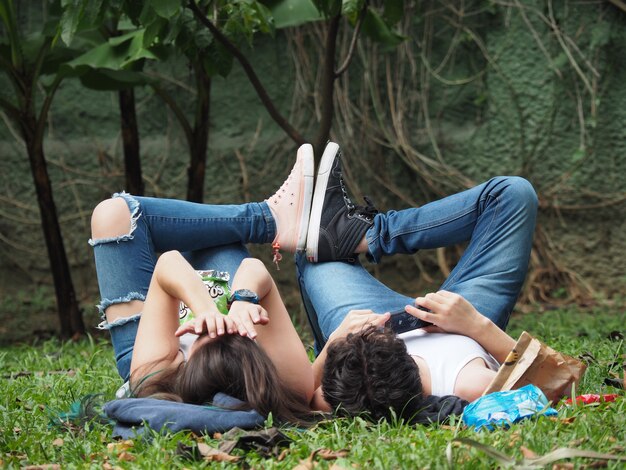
(453, 314)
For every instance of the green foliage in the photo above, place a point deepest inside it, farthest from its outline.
(377, 29)
(48, 377)
(288, 13)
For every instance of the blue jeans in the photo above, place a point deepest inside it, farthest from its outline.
(496, 217)
(210, 237)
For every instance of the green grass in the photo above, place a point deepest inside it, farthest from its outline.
(64, 372)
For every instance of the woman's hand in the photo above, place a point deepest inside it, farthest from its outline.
(244, 315)
(213, 323)
(448, 311)
(357, 320)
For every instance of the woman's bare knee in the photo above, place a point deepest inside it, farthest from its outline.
(123, 310)
(110, 218)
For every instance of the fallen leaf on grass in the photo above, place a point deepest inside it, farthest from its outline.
(120, 446)
(58, 442)
(202, 451)
(126, 457)
(267, 442)
(327, 454)
(527, 453)
(578, 442)
(535, 462)
(569, 420)
(324, 454)
(563, 466)
(214, 455)
(282, 455)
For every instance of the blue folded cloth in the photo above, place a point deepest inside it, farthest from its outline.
(133, 415)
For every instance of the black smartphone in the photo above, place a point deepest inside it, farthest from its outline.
(401, 321)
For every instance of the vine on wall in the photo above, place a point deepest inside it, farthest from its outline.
(424, 109)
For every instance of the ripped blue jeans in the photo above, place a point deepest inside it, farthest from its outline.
(210, 237)
(496, 217)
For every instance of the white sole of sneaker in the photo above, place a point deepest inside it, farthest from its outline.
(323, 174)
(305, 153)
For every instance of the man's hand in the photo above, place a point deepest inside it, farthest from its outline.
(358, 320)
(448, 311)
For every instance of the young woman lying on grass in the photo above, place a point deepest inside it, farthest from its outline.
(253, 353)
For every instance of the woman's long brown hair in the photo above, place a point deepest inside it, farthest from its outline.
(233, 365)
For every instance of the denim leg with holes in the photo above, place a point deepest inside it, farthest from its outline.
(496, 217)
(210, 237)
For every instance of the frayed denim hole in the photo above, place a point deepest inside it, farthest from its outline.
(105, 325)
(134, 207)
(106, 303)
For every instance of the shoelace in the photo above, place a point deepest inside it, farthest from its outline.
(365, 212)
(368, 211)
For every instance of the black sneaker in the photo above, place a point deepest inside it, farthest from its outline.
(336, 226)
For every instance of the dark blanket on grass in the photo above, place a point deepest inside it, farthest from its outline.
(133, 415)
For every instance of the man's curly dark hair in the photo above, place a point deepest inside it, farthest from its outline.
(372, 373)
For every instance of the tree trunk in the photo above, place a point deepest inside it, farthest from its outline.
(70, 316)
(327, 87)
(130, 139)
(199, 143)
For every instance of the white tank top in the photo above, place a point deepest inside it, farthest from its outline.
(446, 354)
(185, 343)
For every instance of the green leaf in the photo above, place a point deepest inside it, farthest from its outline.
(287, 13)
(394, 11)
(117, 53)
(112, 80)
(218, 61)
(376, 29)
(351, 9)
(153, 31)
(166, 8)
(72, 13)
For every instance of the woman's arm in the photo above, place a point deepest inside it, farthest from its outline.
(274, 332)
(173, 280)
(453, 314)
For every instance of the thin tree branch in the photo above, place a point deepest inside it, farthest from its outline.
(252, 76)
(45, 107)
(182, 119)
(355, 36)
(568, 53)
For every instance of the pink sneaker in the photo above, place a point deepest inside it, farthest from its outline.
(291, 205)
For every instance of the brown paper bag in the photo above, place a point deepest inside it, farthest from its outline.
(533, 362)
